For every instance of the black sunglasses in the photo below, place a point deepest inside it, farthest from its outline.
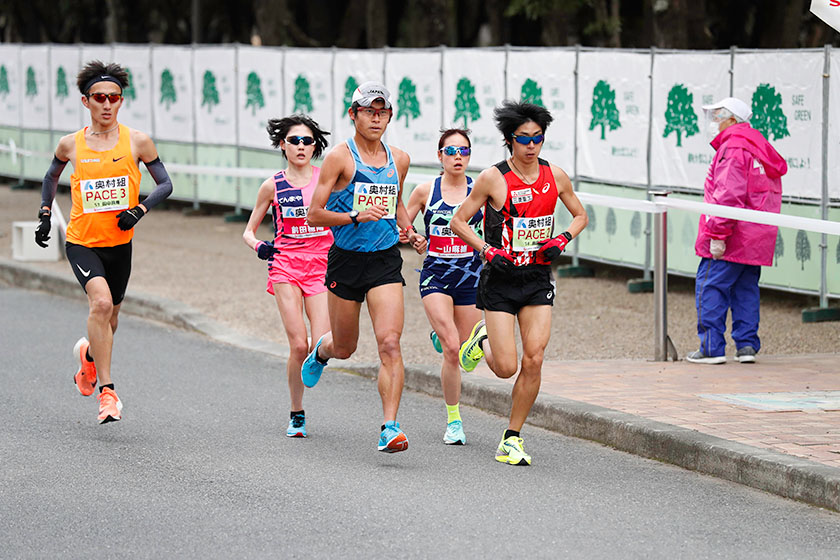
(305, 140)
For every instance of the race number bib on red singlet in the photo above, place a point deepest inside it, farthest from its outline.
(104, 195)
(444, 243)
(528, 233)
(366, 195)
(294, 223)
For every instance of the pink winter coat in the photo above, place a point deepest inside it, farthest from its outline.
(746, 173)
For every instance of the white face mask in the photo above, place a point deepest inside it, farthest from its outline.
(714, 129)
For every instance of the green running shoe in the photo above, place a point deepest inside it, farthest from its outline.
(510, 451)
(471, 353)
(436, 342)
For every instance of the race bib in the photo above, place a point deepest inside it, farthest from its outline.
(521, 196)
(528, 233)
(366, 195)
(294, 223)
(104, 195)
(444, 243)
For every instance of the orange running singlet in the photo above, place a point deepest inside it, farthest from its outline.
(103, 184)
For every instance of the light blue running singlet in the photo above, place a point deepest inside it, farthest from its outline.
(370, 186)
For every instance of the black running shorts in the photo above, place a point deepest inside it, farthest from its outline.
(351, 274)
(510, 291)
(112, 263)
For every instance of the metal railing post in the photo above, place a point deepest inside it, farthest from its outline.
(824, 198)
(662, 345)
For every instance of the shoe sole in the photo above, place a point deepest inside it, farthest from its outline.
(455, 442)
(77, 351)
(477, 327)
(110, 418)
(745, 359)
(399, 443)
(713, 361)
(297, 435)
(506, 460)
(310, 380)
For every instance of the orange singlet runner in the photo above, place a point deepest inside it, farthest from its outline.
(102, 185)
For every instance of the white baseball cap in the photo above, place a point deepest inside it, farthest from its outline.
(740, 110)
(369, 92)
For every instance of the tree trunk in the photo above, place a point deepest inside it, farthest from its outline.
(377, 23)
(555, 25)
(780, 22)
(276, 25)
(352, 25)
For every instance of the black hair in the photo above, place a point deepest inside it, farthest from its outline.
(96, 68)
(510, 115)
(279, 128)
(446, 133)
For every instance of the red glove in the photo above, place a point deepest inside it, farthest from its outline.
(550, 249)
(498, 258)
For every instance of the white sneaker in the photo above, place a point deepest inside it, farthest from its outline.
(698, 357)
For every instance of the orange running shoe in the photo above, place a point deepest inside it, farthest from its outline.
(110, 406)
(85, 378)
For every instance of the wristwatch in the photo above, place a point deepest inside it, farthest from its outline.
(354, 215)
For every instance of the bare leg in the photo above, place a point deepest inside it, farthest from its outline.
(385, 304)
(501, 336)
(290, 304)
(535, 326)
(343, 337)
(101, 323)
(440, 311)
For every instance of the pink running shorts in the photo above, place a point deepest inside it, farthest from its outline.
(304, 270)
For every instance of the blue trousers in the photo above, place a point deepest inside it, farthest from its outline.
(721, 286)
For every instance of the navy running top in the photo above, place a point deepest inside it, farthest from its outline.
(370, 186)
(445, 248)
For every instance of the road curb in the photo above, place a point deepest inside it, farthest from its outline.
(784, 475)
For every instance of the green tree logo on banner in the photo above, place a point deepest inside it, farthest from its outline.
(466, 107)
(611, 223)
(253, 93)
(409, 106)
(61, 84)
(779, 251)
(167, 89)
(302, 97)
(593, 224)
(604, 111)
(636, 227)
(680, 116)
(350, 86)
(531, 93)
(129, 92)
(4, 81)
(209, 93)
(768, 116)
(31, 84)
(803, 248)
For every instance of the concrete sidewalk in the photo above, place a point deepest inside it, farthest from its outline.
(714, 419)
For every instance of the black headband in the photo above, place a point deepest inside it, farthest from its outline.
(102, 78)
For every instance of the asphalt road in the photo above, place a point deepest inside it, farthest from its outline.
(199, 467)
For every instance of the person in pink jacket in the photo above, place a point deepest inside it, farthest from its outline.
(746, 172)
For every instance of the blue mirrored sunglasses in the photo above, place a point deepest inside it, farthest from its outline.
(306, 140)
(452, 150)
(525, 140)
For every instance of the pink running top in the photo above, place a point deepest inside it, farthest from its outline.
(289, 208)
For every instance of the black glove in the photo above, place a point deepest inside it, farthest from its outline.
(265, 249)
(129, 218)
(42, 232)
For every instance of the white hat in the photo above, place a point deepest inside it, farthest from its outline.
(369, 92)
(740, 110)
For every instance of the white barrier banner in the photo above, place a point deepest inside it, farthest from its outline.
(64, 95)
(784, 91)
(351, 68)
(34, 105)
(614, 101)
(473, 85)
(215, 95)
(260, 97)
(683, 83)
(834, 129)
(10, 85)
(307, 80)
(172, 93)
(414, 82)
(136, 110)
(547, 78)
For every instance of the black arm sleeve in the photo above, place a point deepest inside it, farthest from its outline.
(164, 184)
(50, 184)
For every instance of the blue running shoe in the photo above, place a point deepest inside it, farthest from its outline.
(455, 434)
(436, 342)
(297, 426)
(312, 368)
(392, 439)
